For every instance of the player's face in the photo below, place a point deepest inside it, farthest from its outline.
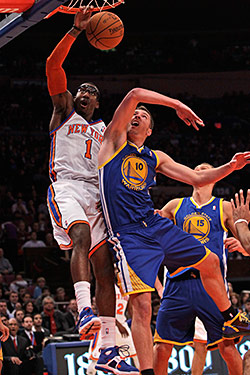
(139, 124)
(87, 100)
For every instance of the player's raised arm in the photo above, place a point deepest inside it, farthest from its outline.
(116, 133)
(241, 217)
(125, 110)
(179, 172)
(56, 77)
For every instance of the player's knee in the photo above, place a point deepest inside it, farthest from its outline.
(210, 265)
(162, 351)
(246, 358)
(142, 309)
(80, 235)
(200, 348)
(227, 350)
(102, 264)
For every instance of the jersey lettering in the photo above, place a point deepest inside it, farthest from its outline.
(88, 149)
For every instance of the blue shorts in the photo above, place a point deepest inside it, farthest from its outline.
(185, 298)
(141, 248)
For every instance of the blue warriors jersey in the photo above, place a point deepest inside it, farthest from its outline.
(125, 180)
(206, 224)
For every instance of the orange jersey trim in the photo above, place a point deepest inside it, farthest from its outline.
(67, 247)
(76, 222)
(96, 247)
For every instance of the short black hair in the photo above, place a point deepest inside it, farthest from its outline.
(143, 108)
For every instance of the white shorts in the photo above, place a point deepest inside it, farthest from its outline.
(72, 202)
(94, 347)
(200, 333)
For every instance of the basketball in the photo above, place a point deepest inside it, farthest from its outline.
(104, 30)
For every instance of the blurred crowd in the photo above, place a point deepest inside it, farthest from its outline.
(153, 53)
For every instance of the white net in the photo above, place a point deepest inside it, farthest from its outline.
(97, 4)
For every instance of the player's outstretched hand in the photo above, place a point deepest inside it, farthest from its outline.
(5, 333)
(240, 160)
(82, 17)
(241, 207)
(188, 116)
(232, 244)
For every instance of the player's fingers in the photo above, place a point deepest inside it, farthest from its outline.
(247, 157)
(187, 121)
(248, 197)
(241, 196)
(229, 240)
(198, 120)
(232, 204)
(194, 125)
(237, 200)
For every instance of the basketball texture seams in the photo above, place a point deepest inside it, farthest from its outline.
(105, 30)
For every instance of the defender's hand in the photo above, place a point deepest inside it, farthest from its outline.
(188, 116)
(232, 244)
(5, 333)
(240, 160)
(240, 207)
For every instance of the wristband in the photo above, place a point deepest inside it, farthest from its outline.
(241, 221)
(76, 28)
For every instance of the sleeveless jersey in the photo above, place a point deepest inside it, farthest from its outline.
(74, 149)
(206, 224)
(125, 180)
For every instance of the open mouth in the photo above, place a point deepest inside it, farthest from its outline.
(84, 103)
(135, 123)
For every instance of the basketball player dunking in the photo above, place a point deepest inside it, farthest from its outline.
(207, 218)
(74, 194)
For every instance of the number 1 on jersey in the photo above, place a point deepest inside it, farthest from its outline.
(88, 149)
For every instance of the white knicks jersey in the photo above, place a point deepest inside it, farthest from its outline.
(74, 148)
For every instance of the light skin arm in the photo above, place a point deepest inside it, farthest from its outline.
(169, 209)
(231, 243)
(241, 211)
(116, 133)
(168, 167)
(5, 332)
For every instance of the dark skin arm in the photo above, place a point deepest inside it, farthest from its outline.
(63, 103)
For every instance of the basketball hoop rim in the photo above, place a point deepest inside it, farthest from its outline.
(68, 10)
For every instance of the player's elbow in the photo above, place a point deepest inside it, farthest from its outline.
(135, 94)
(51, 63)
